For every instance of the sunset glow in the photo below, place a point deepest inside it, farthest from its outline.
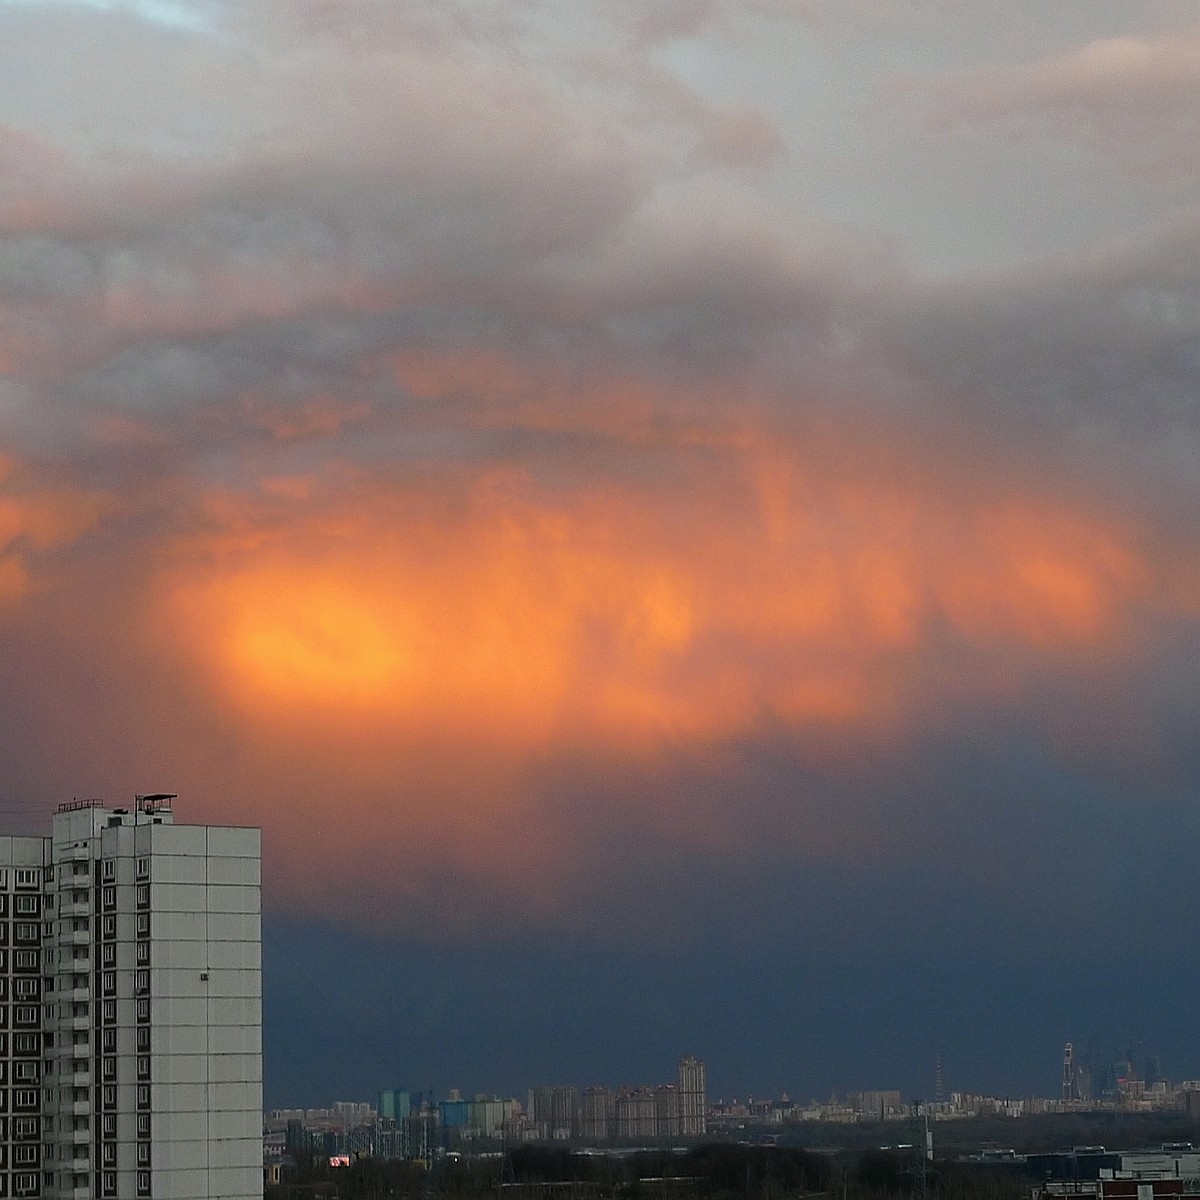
(514, 616)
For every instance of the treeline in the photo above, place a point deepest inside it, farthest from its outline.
(1033, 1134)
(713, 1171)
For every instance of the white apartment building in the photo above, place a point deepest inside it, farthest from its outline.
(131, 1008)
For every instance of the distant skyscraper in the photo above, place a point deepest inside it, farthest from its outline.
(394, 1104)
(596, 1114)
(693, 1102)
(554, 1111)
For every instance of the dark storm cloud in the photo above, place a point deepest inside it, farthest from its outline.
(480, 415)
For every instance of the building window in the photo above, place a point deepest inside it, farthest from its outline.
(143, 1095)
(108, 1154)
(143, 1039)
(25, 1127)
(108, 870)
(25, 1155)
(25, 1185)
(25, 931)
(110, 983)
(27, 906)
(26, 1070)
(143, 1066)
(110, 1067)
(25, 1043)
(25, 1014)
(109, 897)
(110, 1183)
(143, 1125)
(109, 1125)
(108, 954)
(143, 1008)
(109, 1012)
(143, 1154)
(143, 868)
(109, 1095)
(25, 960)
(143, 895)
(48, 874)
(143, 953)
(143, 924)
(27, 877)
(143, 1183)
(25, 1098)
(108, 1041)
(141, 982)
(3, 877)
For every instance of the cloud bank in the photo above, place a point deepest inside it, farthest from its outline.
(471, 442)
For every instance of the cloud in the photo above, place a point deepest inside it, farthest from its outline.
(457, 656)
(1131, 98)
(455, 437)
(36, 518)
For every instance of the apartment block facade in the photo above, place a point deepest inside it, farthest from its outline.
(131, 1054)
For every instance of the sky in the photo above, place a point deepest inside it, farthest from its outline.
(678, 518)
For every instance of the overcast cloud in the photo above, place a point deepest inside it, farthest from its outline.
(608, 475)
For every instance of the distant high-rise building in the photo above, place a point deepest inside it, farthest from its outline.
(636, 1113)
(138, 1071)
(666, 1109)
(596, 1114)
(877, 1105)
(693, 1102)
(554, 1111)
(394, 1104)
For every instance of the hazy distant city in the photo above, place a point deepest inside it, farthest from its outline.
(401, 1123)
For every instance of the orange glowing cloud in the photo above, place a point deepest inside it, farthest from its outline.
(504, 613)
(35, 518)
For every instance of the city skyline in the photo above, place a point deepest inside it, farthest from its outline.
(678, 519)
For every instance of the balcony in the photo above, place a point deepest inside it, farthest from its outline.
(79, 1108)
(76, 937)
(78, 1023)
(68, 907)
